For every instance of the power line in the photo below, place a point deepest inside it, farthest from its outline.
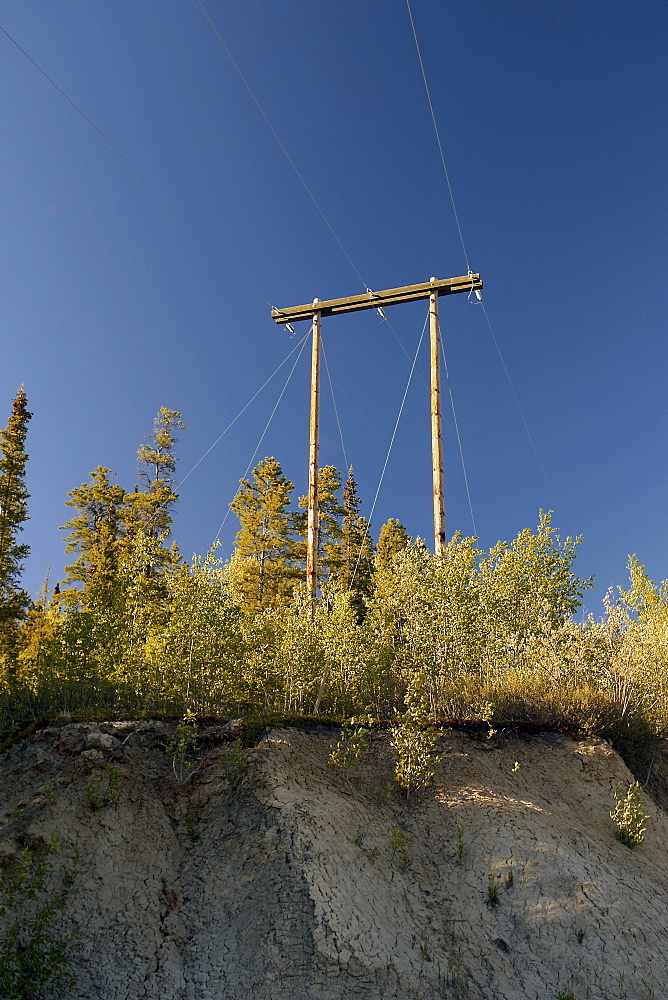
(519, 408)
(176, 211)
(242, 410)
(142, 176)
(233, 422)
(389, 450)
(301, 346)
(281, 143)
(438, 137)
(336, 410)
(458, 436)
(466, 258)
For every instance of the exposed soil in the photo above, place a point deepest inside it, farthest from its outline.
(298, 882)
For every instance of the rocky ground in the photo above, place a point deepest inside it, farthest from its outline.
(293, 881)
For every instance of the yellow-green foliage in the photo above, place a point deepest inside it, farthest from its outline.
(628, 816)
(352, 745)
(470, 634)
(412, 742)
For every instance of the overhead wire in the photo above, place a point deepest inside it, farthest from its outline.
(294, 166)
(280, 142)
(389, 450)
(285, 360)
(438, 137)
(336, 409)
(140, 174)
(466, 257)
(242, 411)
(170, 205)
(458, 436)
(519, 407)
(301, 346)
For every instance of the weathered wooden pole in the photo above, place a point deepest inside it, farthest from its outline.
(354, 303)
(436, 438)
(312, 523)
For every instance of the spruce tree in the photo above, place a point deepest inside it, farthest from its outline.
(148, 510)
(13, 512)
(95, 535)
(356, 573)
(330, 512)
(393, 538)
(264, 543)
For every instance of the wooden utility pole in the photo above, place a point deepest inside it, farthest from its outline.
(436, 436)
(313, 521)
(354, 303)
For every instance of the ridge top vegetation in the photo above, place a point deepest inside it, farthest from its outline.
(470, 634)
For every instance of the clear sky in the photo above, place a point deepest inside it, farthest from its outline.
(552, 117)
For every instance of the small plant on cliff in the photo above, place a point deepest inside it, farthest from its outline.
(33, 954)
(456, 978)
(182, 745)
(235, 763)
(352, 745)
(105, 791)
(461, 847)
(412, 742)
(398, 846)
(492, 889)
(628, 815)
(191, 827)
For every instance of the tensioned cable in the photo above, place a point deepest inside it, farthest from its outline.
(301, 346)
(461, 238)
(365, 417)
(438, 137)
(242, 411)
(519, 408)
(280, 142)
(458, 436)
(296, 169)
(197, 232)
(483, 484)
(233, 422)
(336, 410)
(177, 212)
(389, 450)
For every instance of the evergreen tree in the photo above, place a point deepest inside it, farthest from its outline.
(13, 512)
(264, 572)
(330, 512)
(95, 534)
(356, 572)
(393, 538)
(148, 510)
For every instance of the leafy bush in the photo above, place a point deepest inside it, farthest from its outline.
(33, 952)
(235, 763)
(352, 745)
(412, 742)
(628, 816)
(447, 636)
(182, 745)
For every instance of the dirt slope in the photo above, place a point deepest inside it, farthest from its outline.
(303, 884)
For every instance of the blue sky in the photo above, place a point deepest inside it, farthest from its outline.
(553, 123)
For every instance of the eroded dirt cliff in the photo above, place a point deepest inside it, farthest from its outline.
(298, 882)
